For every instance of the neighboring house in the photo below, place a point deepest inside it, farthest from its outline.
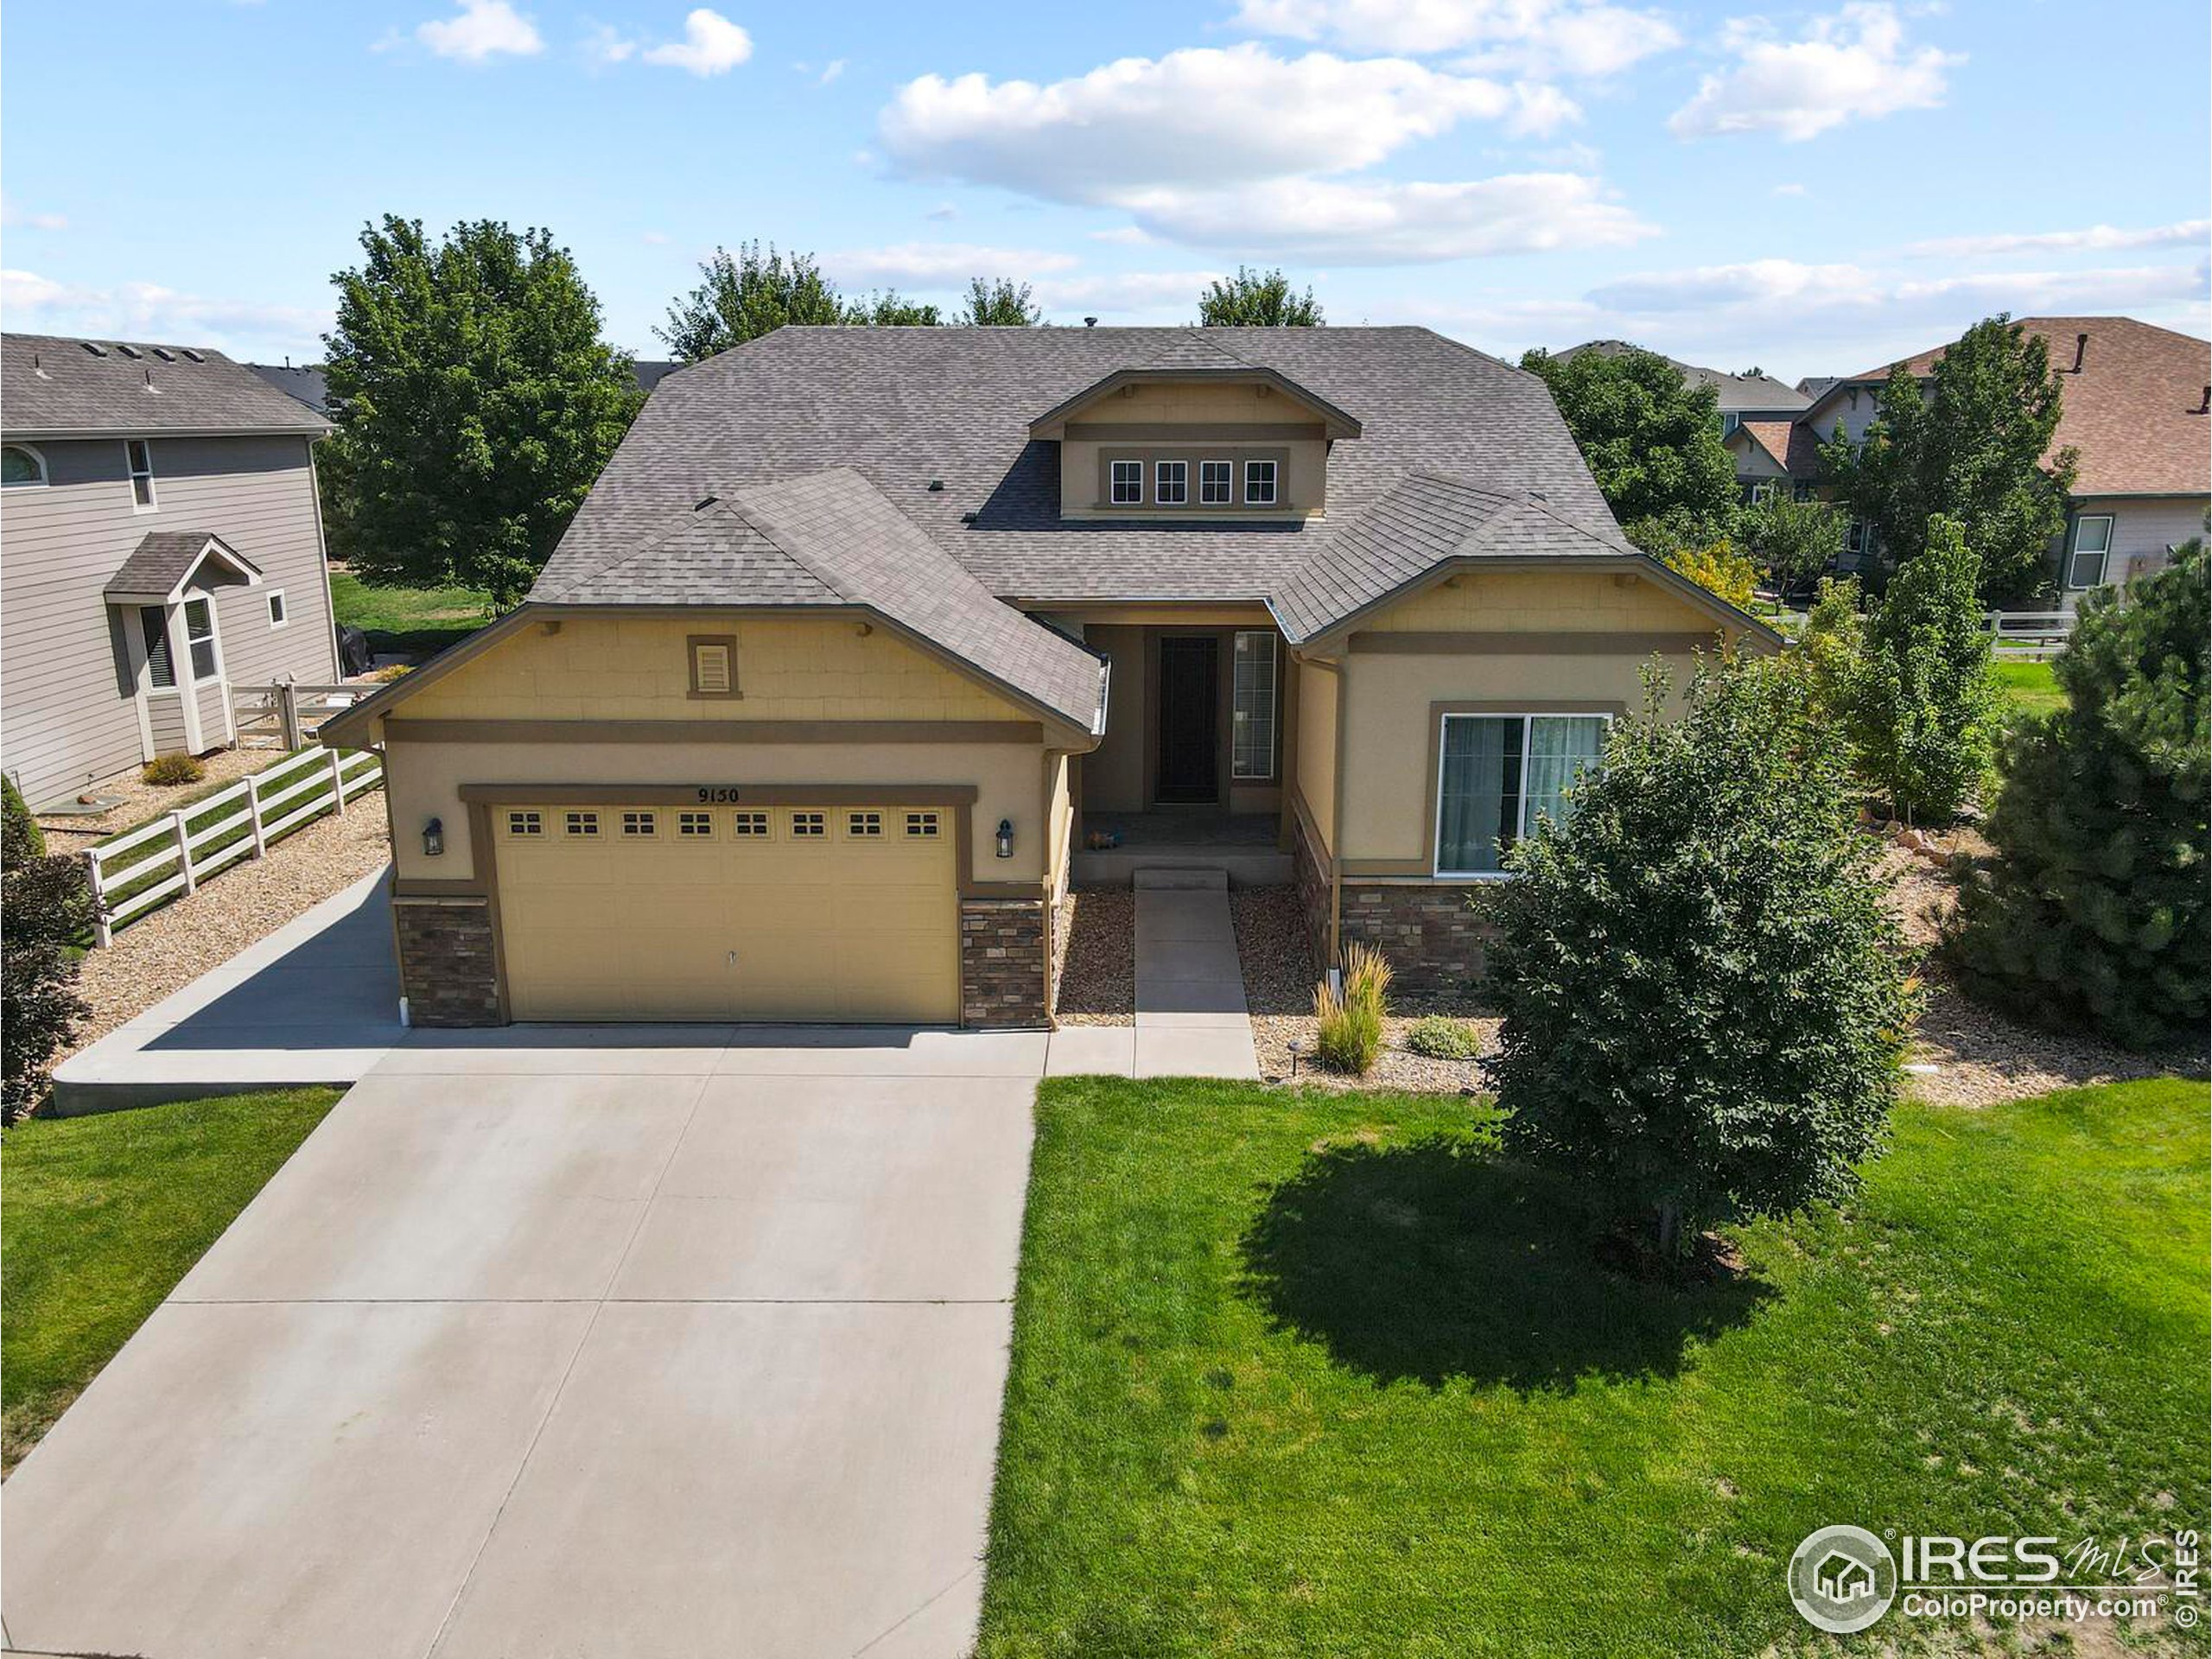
(304, 382)
(307, 383)
(1741, 398)
(806, 715)
(159, 538)
(2132, 404)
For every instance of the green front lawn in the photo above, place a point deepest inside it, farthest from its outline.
(100, 1216)
(1321, 1374)
(2029, 687)
(419, 621)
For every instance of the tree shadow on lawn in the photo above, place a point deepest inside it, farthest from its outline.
(1440, 1260)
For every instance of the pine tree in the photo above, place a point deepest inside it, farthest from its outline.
(2094, 912)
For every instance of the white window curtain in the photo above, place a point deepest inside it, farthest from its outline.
(1560, 750)
(1479, 792)
(1497, 774)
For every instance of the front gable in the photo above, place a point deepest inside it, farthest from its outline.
(599, 667)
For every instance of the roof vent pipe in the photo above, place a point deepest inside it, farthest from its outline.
(2081, 351)
(2205, 408)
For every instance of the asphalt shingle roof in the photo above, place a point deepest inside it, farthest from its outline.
(831, 538)
(51, 385)
(164, 557)
(902, 407)
(1424, 521)
(2134, 410)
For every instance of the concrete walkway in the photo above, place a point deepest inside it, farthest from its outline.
(569, 1341)
(316, 1002)
(1191, 1021)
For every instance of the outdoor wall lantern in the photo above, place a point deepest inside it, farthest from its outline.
(433, 838)
(1006, 837)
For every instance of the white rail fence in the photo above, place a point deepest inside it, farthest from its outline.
(289, 714)
(140, 872)
(2030, 634)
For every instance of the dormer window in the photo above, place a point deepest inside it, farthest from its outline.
(1128, 484)
(1217, 480)
(1259, 483)
(1171, 483)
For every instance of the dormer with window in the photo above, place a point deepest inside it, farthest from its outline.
(1195, 445)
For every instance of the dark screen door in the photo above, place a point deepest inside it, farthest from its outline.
(1189, 689)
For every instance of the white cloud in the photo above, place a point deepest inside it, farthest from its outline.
(1197, 117)
(1800, 319)
(654, 239)
(150, 312)
(1144, 296)
(1386, 222)
(1853, 67)
(1788, 190)
(606, 44)
(712, 45)
(2189, 232)
(1128, 235)
(830, 71)
(940, 264)
(12, 214)
(483, 29)
(1532, 37)
(944, 210)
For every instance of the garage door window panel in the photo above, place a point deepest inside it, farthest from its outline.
(810, 826)
(582, 825)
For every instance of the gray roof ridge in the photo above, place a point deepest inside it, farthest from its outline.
(783, 540)
(689, 519)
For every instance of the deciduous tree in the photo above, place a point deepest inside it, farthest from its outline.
(1971, 447)
(1704, 1007)
(743, 295)
(1651, 441)
(475, 404)
(1253, 299)
(1923, 711)
(1003, 303)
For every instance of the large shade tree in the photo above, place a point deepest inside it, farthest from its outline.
(476, 404)
(755, 291)
(1652, 441)
(1257, 299)
(1973, 445)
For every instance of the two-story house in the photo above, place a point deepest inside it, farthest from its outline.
(2135, 404)
(862, 629)
(160, 537)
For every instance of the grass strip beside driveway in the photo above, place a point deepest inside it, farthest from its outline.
(1322, 1374)
(101, 1215)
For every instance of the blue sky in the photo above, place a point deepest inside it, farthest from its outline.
(1813, 191)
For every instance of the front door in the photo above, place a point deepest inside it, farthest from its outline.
(1189, 705)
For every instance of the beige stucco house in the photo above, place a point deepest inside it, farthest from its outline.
(866, 634)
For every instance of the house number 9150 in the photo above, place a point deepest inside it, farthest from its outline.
(724, 793)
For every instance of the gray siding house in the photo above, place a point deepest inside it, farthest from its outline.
(159, 538)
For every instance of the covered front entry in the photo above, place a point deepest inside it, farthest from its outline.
(825, 912)
(1189, 771)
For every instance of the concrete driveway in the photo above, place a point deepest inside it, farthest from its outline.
(559, 1341)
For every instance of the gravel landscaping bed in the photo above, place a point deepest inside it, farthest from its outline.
(141, 801)
(1975, 1055)
(1279, 980)
(248, 901)
(1097, 940)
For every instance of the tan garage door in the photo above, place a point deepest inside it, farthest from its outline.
(804, 914)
